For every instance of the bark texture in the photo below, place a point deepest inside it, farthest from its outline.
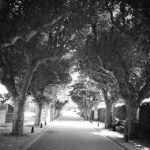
(47, 113)
(19, 104)
(108, 116)
(132, 124)
(18, 119)
(38, 114)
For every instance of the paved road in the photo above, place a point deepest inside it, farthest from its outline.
(70, 132)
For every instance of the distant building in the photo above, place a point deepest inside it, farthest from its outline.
(6, 113)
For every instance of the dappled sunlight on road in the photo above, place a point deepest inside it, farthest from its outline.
(95, 133)
(140, 146)
(111, 134)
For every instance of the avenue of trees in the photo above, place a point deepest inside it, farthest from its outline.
(113, 49)
(111, 43)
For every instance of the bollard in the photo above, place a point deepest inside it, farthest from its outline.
(126, 138)
(114, 127)
(98, 124)
(32, 129)
(41, 125)
(45, 122)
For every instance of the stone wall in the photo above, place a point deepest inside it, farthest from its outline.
(2, 116)
(9, 117)
(6, 113)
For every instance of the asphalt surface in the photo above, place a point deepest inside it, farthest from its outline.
(71, 132)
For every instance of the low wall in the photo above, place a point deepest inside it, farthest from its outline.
(2, 116)
(6, 113)
(9, 117)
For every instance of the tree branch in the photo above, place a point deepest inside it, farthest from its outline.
(30, 34)
(119, 26)
(106, 73)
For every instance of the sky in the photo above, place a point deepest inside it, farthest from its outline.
(3, 89)
(74, 77)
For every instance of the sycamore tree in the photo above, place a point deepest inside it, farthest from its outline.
(40, 99)
(53, 91)
(89, 61)
(117, 65)
(30, 35)
(108, 85)
(59, 106)
(33, 32)
(114, 51)
(114, 44)
(50, 73)
(78, 95)
(111, 37)
(130, 46)
(86, 95)
(22, 56)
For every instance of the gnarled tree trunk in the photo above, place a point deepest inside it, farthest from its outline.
(38, 114)
(19, 103)
(108, 116)
(131, 126)
(85, 112)
(18, 118)
(89, 113)
(47, 113)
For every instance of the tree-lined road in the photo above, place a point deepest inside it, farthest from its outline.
(71, 132)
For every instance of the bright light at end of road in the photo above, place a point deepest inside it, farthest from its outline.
(70, 120)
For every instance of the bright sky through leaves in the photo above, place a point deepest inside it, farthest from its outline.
(3, 89)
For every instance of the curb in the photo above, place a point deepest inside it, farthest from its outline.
(117, 142)
(111, 139)
(35, 138)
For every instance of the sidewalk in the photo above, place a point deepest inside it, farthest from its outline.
(9, 142)
(118, 138)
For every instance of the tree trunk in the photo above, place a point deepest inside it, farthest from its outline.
(88, 113)
(18, 120)
(108, 116)
(85, 113)
(38, 114)
(58, 112)
(52, 112)
(19, 103)
(47, 113)
(131, 126)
